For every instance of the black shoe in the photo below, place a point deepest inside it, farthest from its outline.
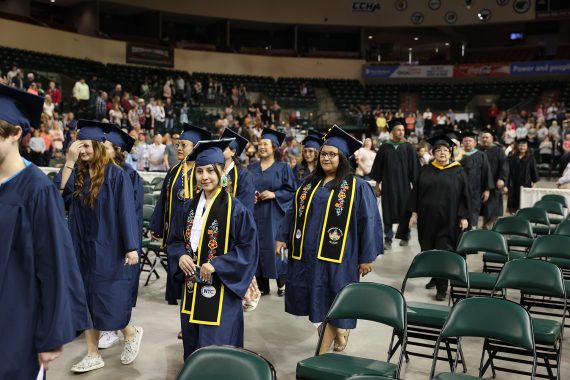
(281, 291)
(404, 243)
(441, 296)
(431, 284)
(388, 245)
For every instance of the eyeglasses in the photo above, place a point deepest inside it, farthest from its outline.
(441, 149)
(330, 155)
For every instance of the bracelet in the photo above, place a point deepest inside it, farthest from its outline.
(69, 167)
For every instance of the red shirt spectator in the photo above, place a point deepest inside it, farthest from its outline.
(54, 93)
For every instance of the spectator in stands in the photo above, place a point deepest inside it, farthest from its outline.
(44, 134)
(492, 113)
(551, 113)
(93, 84)
(235, 95)
(303, 89)
(12, 73)
(126, 103)
(117, 91)
(510, 133)
(115, 114)
(168, 115)
(218, 91)
(48, 106)
(81, 95)
(242, 94)
(33, 88)
(55, 94)
(198, 92)
(37, 148)
(554, 129)
(3, 78)
(384, 135)
(30, 78)
(522, 173)
(419, 125)
(159, 116)
(441, 120)
(56, 135)
(539, 113)
(180, 84)
(424, 157)
(18, 80)
(381, 123)
(101, 106)
(133, 118)
(170, 159)
(364, 157)
(542, 132)
(428, 123)
(564, 181)
(522, 131)
(145, 89)
(183, 118)
(410, 123)
(156, 154)
(166, 89)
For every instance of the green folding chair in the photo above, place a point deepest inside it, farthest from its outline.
(147, 265)
(368, 301)
(518, 233)
(473, 242)
(225, 362)
(156, 180)
(425, 320)
(149, 200)
(555, 249)
(488, 318)
(554, 209)
(539, 278)
(556, 198)
(538, 218)
(370, 377)
(563, 228)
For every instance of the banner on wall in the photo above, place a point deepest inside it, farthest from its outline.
(540, 68)
(150, 55)
(405, 71)
(481, 70)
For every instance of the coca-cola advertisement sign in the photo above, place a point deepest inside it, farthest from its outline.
(481, 70)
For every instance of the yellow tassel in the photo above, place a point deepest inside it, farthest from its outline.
(186, 193)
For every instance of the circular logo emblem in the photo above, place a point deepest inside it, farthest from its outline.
(502, 3)
(521, 6)
(180, 195)
(434, 5)
(298, 234)
(401, 5)
(484, 15)
(417, 18)
(335, 234)
(208, 291)
(450, 17)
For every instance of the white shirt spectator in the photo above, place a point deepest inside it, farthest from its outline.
(81, 91)
(521, 132)
(156, 154)
(48, 109)
(542, 132)
(427, 115)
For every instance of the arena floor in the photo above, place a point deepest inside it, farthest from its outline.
(279, 337)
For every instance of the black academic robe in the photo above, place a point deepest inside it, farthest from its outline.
(522, 174)
(441, 198)
(138, 194)
(42, 300)
(396, 167)
(499, 171)
(480, 179)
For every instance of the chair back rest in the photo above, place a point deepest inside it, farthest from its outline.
(439, 264)
(514, 225)
(482, 240)
(148, 210)
(156, 180)
(550, 207)
(534, 215)
(563, 228)
(556, 198)
(370, 377)
(223, 362)
(557, 246)
(532, 276)
(370, 301)
(148, 199)
(493, 318)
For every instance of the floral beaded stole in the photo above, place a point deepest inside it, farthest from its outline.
(335, 225)
(203, 302)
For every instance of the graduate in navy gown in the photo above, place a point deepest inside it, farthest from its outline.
(309, 157)
(215, 241)
(42, 300)
(333, 234)
(103, 225)
(240, 180)
(275, 186)
(118, 145)
(172, 197)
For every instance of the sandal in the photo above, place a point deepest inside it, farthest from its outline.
(250, 305)
(180, 335)
(341, 339)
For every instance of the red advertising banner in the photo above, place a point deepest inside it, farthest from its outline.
(481, 70)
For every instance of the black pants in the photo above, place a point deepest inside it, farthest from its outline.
(263, 283)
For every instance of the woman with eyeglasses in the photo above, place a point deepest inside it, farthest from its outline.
(333, 234)
(440, 204)
(214, 240)
(309, 156)
(275, 186)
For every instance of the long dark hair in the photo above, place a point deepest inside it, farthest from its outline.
(343, 171)
(527, 154)
(276, 152)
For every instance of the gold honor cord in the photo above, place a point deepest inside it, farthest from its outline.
(448, 166)
(294, 254)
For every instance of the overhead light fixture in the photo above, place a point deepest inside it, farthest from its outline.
(370, 37)
(416, 38)
(53, 1)
(447, 44)
(409, 49)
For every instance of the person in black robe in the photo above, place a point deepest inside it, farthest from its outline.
(479, 175)
(395, 169)
(493, 208)
(43, 302)
(523, 173)
(440, 204)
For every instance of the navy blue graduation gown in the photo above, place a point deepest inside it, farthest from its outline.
(301, 174)
(101, 237)
(138, 188)
(43, 304)
(313, 284)
(278, 178)
(245, 191)
(235, 270)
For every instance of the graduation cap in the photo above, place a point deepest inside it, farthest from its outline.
(488, 130)
(194, 134)
(441, 139)
(72, 125)
(343, 141)
(522, 140)
(312, 141)
(209, 152)
(238, 144)
(392, 123)
(469, 134)
(120, 138)
(20, 108)
(452, 134)
(276, 137)
(92, 130)
(315, 134)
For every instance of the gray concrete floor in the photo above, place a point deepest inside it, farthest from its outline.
(281, 338)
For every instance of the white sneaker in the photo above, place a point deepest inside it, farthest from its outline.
(107, 339)
(88, 363)
(131, 347)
